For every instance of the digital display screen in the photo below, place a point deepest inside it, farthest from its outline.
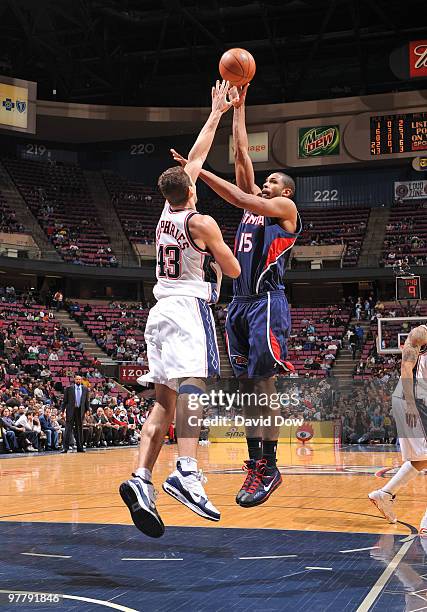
(398, 133)
(408, 288)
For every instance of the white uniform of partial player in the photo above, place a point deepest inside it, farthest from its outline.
(180, 331)
(413, 441)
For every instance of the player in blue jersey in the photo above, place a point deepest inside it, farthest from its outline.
(258, 322)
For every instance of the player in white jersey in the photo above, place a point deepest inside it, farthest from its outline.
(180, 332)
(409, 404)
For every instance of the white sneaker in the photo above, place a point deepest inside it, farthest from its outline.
(384, 502)
(140, 497)
(187, 487)
(31, 449)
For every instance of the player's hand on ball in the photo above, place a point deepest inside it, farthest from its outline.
(237, 95)
(220, 102)
(178, 157)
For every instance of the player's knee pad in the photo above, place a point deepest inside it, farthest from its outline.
(192, 386)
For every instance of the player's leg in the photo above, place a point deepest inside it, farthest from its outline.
(186, 482)
(238, 351)
(138, 492)
(268, 322)
(266, 477)
(413, 447)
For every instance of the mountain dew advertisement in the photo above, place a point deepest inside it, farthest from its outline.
(319, 141)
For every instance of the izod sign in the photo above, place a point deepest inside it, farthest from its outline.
(318, 141)
(257, 147)
(418, 59)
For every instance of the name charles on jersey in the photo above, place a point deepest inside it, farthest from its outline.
(167, 227)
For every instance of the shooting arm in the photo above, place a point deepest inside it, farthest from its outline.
(280, 208)
(245, 176)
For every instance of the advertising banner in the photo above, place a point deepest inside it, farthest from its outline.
(257, 147)
(410, 190)
(13, 106)
(314, 432)
(318, 141)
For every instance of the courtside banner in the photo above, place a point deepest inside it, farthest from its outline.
(13, 106)
(313, 432)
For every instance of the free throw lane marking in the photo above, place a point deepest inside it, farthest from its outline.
(29, 554)
(271, 557)
(373, 594)
(359, 549)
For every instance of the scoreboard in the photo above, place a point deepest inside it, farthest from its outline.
(408, 288)
(406, 133)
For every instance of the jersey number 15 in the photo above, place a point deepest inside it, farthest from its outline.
(245, 243)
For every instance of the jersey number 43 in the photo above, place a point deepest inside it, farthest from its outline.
(169, 261)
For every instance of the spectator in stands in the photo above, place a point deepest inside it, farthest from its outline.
(49, 429)
(25, 420)
(15, 436)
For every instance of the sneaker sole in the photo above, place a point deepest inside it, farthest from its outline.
(262, 501)
(143, 520)
(389, 519)
(173, 492)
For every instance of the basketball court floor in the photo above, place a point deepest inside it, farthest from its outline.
(317, 544)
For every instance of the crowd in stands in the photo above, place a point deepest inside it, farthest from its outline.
(31, 423)
(117, 328)
(8, 221)
(346, 226)
(58, 196)
(405, 239)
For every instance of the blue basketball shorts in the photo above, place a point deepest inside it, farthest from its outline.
(257, 329)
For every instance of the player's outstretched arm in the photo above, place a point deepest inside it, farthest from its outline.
(279, 207)
(200, 149)
(245, 175)
(205, 230)
(411, 349)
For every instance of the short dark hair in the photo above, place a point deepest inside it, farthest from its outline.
(287, 181)
(173, 184)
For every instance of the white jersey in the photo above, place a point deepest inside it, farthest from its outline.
(183, 269)
(420, 377)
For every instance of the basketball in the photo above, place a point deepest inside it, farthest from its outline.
(237, 66)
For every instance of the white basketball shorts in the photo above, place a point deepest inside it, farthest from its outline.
(413, 443)
(181, 341)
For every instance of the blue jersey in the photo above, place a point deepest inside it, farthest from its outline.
(262, 248)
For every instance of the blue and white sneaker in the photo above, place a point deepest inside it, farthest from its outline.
(187, 487)
(140, 497)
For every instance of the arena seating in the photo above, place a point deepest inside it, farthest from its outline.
(328, 322)
(139, 209)
(406, 233)
(8, 222)
(336, 225)
(58, 196)
(23, 320)
(117, 329)
(373, 365)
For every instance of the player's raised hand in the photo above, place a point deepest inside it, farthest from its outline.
(220, 102)
(178, 157)
(237, 95)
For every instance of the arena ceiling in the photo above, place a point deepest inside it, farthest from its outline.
(165, 52)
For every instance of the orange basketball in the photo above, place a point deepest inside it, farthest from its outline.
(237, 66)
